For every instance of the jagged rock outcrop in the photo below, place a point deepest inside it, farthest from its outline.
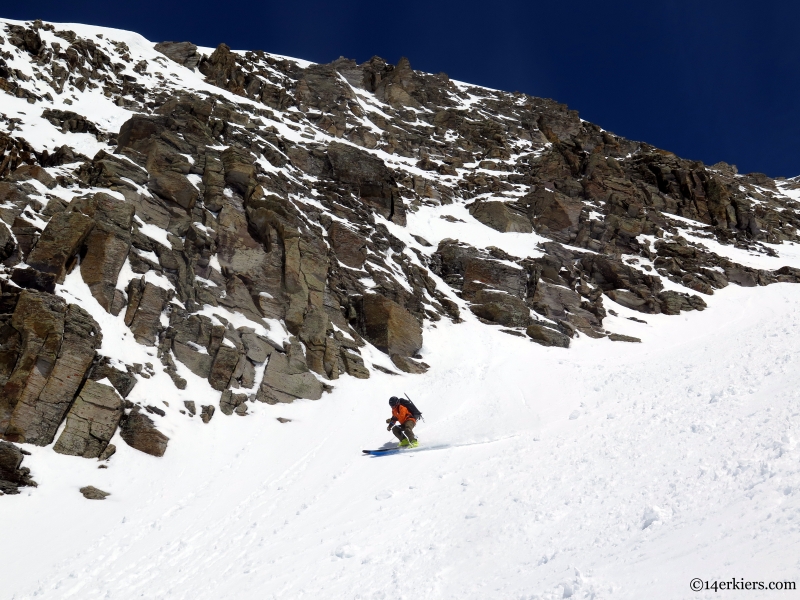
(91, 421)
(408, 365)
(501, 307)
(287, 378)
(183, 53)
(230, 403)
(389, 326)
(145, 304)
(12, 474)
(123, 380)
(501, 216)
(350, 247)
(107, 247)
(57, 343)
(221, 69)
(59, 243)
(553, 214)
(373, 182)
(260, 236)
(7, 243)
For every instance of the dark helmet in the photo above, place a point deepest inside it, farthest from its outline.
(394, 401)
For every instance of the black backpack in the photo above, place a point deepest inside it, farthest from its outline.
(411, 408)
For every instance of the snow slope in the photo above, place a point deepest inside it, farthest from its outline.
(608, 470)
(605, 471)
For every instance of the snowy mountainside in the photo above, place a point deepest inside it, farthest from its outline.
(620, 473)
(189, 233)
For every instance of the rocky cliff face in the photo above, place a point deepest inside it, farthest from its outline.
(254, 224)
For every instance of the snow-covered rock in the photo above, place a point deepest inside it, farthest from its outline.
(186, 227)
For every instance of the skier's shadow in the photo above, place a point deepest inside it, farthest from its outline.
(388, 446)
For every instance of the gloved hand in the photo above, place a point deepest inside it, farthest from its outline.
(388, 420)
(389, 427)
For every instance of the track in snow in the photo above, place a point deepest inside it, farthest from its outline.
(632, 470)
(426, 448)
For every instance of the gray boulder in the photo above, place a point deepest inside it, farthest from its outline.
(92, 493)
(373, 180)
(107, 246)
(12, 474)
(408, 365)
(288, 378)
(91, 422)
(183, 53)
(223, 367)
(206, 413)
(230, 402)
(27, 172)
(546, 336)
(618, 337)
(139, 432)
(58, 343)
(56, 250)
(553, 214)
(390, 327)
(143, 315)
(7, 243)
(198, 362)
(350, 248)
(354, 364)
(257, 348)
(501, 216)
(502, 308)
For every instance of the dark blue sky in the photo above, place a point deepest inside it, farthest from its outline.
(707, 80)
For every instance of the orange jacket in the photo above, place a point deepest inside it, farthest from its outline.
(401, 414)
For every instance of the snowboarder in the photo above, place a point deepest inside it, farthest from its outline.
(405, 414)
